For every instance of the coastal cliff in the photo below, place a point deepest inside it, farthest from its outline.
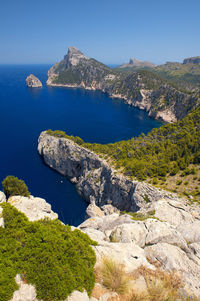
(142, 88)
(94, 178)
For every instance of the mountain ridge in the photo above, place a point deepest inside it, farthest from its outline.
(143, 89)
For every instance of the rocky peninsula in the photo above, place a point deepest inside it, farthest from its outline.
(143, 89)
(33, 82)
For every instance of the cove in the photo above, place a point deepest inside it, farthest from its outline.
(25, 112)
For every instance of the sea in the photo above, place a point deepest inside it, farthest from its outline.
(26, 112)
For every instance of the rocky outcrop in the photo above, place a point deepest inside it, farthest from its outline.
(133, 62)
(168, 239)
(2, 197)
(151, 241)
(33, 207)
(142, 89)
(192, 60)
(33, 82)
(95, 179)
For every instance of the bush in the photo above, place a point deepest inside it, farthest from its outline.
(14, 186)
(45, 253)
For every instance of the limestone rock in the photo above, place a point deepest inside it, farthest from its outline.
(2, 197)
(173, 258)
(26, 292)
(76, 296)
(126, 233)
(109, 209)
(93, 210)
(128, 254)
(34, 208)
(173, 212)
(190, 231)
(33, 82)
(1, 218)
(163, 232)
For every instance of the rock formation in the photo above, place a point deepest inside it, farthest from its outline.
(192, 60)
(33, 82)
(94, 178)
(134, 63)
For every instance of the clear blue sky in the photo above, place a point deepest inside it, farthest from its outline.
(112, 31)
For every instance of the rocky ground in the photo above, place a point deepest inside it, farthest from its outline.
(170, 238)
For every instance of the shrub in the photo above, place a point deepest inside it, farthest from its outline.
(45, 253)
(14, 186)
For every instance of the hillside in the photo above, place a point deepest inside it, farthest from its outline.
(144, 89)
(170, 151)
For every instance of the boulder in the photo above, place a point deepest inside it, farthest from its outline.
(173, 258)
(134, 232)
(2, 197)
(26, 292)
(33, 207)
(128, 254)
(76, 296)
(163, 232)
(1, 218)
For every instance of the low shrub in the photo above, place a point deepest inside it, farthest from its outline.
(45, 253)
(14, 186)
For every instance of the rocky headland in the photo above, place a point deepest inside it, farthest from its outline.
(33, 82)
(142, 88)
(162, 227)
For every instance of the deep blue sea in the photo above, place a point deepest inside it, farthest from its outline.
(25, 112)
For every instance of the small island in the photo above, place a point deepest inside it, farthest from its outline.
(33, 82)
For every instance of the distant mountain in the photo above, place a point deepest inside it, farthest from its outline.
(140, 88)
(186, 74)
(192, 60)
(134, 63)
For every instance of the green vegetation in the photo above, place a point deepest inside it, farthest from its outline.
(137, 216)
(45, 253)
(14, 186)
(184, 75)
(168, 149)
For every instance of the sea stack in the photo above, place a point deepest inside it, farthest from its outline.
(33, 82)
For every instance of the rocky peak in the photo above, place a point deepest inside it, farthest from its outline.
(74, 56)
(133, 61)
(192, 60)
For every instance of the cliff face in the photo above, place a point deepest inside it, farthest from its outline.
(142, 89)
(94, 178)
(192, 60)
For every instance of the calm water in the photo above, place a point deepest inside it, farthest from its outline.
(26, 112)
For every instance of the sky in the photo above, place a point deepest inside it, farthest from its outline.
(110, 31)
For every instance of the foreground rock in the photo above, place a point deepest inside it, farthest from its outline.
(158, 240)
(33, 82)
(34, 208)
(151, 242)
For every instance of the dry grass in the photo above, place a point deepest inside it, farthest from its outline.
(160, 285)
(113, 276)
